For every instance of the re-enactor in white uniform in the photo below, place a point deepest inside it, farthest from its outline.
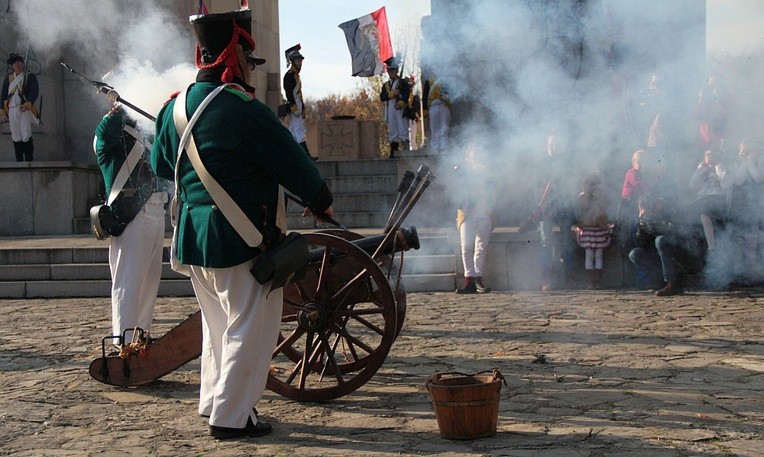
(19, 92)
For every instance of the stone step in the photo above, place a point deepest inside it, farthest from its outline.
(386, 184)
(353, 203)
(414, 264)
(349, 220)
(95, 254)
(435, 245)
(331, 169)
(429, 283)
(84, 288)
(67, 272)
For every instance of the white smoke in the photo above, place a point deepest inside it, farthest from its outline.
(142, 47)
(517, 70)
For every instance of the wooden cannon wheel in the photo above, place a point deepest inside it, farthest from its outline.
(338, 323)
(392, 272)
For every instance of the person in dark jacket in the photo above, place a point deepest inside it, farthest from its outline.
(666, 244)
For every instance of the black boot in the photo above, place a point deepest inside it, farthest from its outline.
(18, 148)
(469, 287)
(671, 288)
(480, 287)
(29, 150)
(393, 148)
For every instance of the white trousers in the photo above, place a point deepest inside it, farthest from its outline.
(413, 127)
(397, 125)
(135, 260)
(297, 127)
(21, 123)
(440, 119)
(474, 234)
(240, 327)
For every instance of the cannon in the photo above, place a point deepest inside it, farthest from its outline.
(339, 319)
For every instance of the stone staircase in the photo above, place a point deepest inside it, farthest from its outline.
(48, 272)
(364, 191)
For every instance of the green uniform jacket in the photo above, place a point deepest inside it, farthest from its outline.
(111, 151)
(250, 153)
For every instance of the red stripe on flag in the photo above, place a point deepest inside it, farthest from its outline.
(244, 4)
(202, 8)
(383, 34)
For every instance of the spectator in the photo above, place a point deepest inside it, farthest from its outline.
(556, 208)
(475, 221)
(658, 245)
(593, 231)
(635, 182)
(711, 202)
(668, 248)
(747, 176)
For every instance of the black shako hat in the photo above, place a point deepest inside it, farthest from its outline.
(215, 31)
(393, 63)
(13, 58)
(293, 53)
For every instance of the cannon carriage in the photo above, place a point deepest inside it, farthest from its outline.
(339, 321)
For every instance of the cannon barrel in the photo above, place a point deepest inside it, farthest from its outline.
(405, 240)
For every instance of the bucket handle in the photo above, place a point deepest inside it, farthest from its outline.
(435, 377)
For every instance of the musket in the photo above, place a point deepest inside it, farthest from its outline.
(105, 89)
(323, 216)
(22, 95)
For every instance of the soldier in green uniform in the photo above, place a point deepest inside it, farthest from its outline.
(135, 254)
(250, 154)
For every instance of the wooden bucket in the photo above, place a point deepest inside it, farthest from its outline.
(466, 405)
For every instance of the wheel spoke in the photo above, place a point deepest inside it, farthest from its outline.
(291, 302)
(349, 328)
(299, 367)
(323, 273)
(353, 283)
(353, 339)
(294, 336)
(330, 360)
(372, 327)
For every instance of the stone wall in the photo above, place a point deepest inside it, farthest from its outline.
(343, 139)
(46, 198)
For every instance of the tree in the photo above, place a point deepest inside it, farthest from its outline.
(363, 103)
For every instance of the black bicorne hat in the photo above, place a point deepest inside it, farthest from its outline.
(254, 59)
(214, 32)
(13, 58)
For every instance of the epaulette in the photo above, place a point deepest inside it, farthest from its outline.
(173, 95)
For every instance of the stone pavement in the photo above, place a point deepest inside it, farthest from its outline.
(625, 374)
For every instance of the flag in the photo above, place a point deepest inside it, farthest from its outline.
(202, 8)
(369, 43)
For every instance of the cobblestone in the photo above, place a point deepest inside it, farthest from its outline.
(624, 374)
